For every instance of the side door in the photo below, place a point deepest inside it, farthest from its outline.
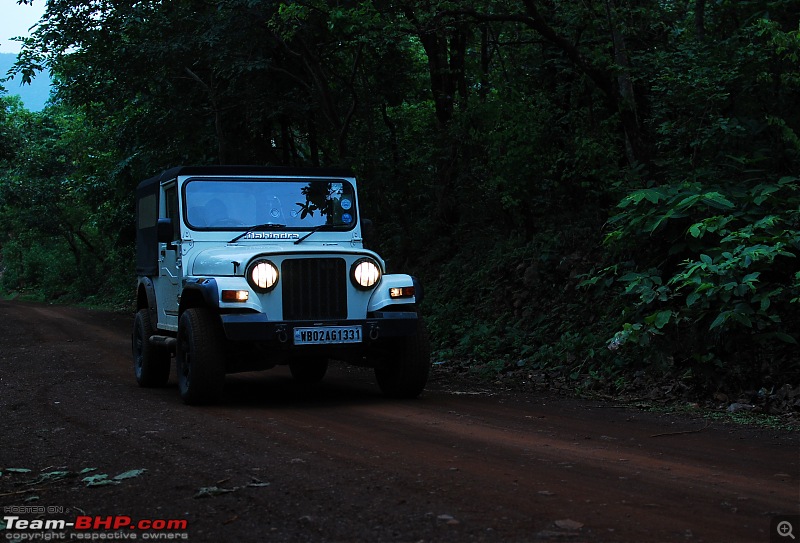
(169, 282)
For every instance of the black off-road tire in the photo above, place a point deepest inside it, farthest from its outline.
(151, 364)
(405, 374)
(309, 370)
(200, 357)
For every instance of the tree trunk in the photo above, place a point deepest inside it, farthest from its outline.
(617, 98)
(627, 99)
(313, 142)
(458, 71)
(222, 147)
(443, 70)
(483, 92)
(442, 86)
(699, 20)
(286, 144)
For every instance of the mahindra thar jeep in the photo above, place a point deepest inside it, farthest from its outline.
(244, 268)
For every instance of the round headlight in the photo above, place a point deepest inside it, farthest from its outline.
(365, 273)
(262, 275)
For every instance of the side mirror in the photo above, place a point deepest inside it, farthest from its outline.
(165, 231)
(368, 232)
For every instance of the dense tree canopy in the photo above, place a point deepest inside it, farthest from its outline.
(599, 186)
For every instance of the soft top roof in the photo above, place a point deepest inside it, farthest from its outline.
(172, 173)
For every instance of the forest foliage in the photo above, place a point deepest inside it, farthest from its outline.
(592, 188)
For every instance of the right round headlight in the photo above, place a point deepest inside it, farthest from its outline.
(262, 275)
(365, 273)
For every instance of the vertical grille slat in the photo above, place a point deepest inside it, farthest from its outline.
(314, 288)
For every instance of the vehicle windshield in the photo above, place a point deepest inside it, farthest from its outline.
(293, 204)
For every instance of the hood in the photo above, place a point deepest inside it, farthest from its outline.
(219, 260)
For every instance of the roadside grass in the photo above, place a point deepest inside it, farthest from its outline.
(788, 422)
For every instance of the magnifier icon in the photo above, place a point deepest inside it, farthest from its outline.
(784, 529)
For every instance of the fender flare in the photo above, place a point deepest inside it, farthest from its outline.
(380, 298)
(203, 288)
(150, 294)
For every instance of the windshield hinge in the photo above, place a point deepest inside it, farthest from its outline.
(186, 244)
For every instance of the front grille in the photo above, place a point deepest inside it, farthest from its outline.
(314, 288)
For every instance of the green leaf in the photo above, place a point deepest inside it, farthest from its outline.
(742, 319)
(721, 318)
(659, 319)
(687, 202)
(705, 259)
(751, 277)
(717, 200)
(651, 195)
(786, 338)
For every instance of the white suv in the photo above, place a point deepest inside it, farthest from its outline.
(244, 268)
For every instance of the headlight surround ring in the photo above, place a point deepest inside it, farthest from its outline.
(262, 275)
(365, 273)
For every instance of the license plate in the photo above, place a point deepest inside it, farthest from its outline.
(327, 335)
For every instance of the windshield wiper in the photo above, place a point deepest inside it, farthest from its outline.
(313, 230)
(257, 228)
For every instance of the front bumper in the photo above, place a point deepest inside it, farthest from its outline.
(256, 327)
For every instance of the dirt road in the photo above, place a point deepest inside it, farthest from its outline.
(339, 462)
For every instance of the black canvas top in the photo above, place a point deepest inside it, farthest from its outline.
(172, 173)
(147, 227)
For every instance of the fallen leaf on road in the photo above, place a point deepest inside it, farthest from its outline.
(129, 474)
(569, 524)
(101, 479)
(209, 491)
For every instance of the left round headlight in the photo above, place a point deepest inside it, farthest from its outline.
(262, 275)
(365, 273)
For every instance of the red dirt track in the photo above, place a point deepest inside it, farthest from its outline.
(339, 462)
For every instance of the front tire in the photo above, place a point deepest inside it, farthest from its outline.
(151, 364)
(405, 374)
(199, 357)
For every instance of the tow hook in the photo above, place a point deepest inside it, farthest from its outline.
(283, 337)
(374, 332)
